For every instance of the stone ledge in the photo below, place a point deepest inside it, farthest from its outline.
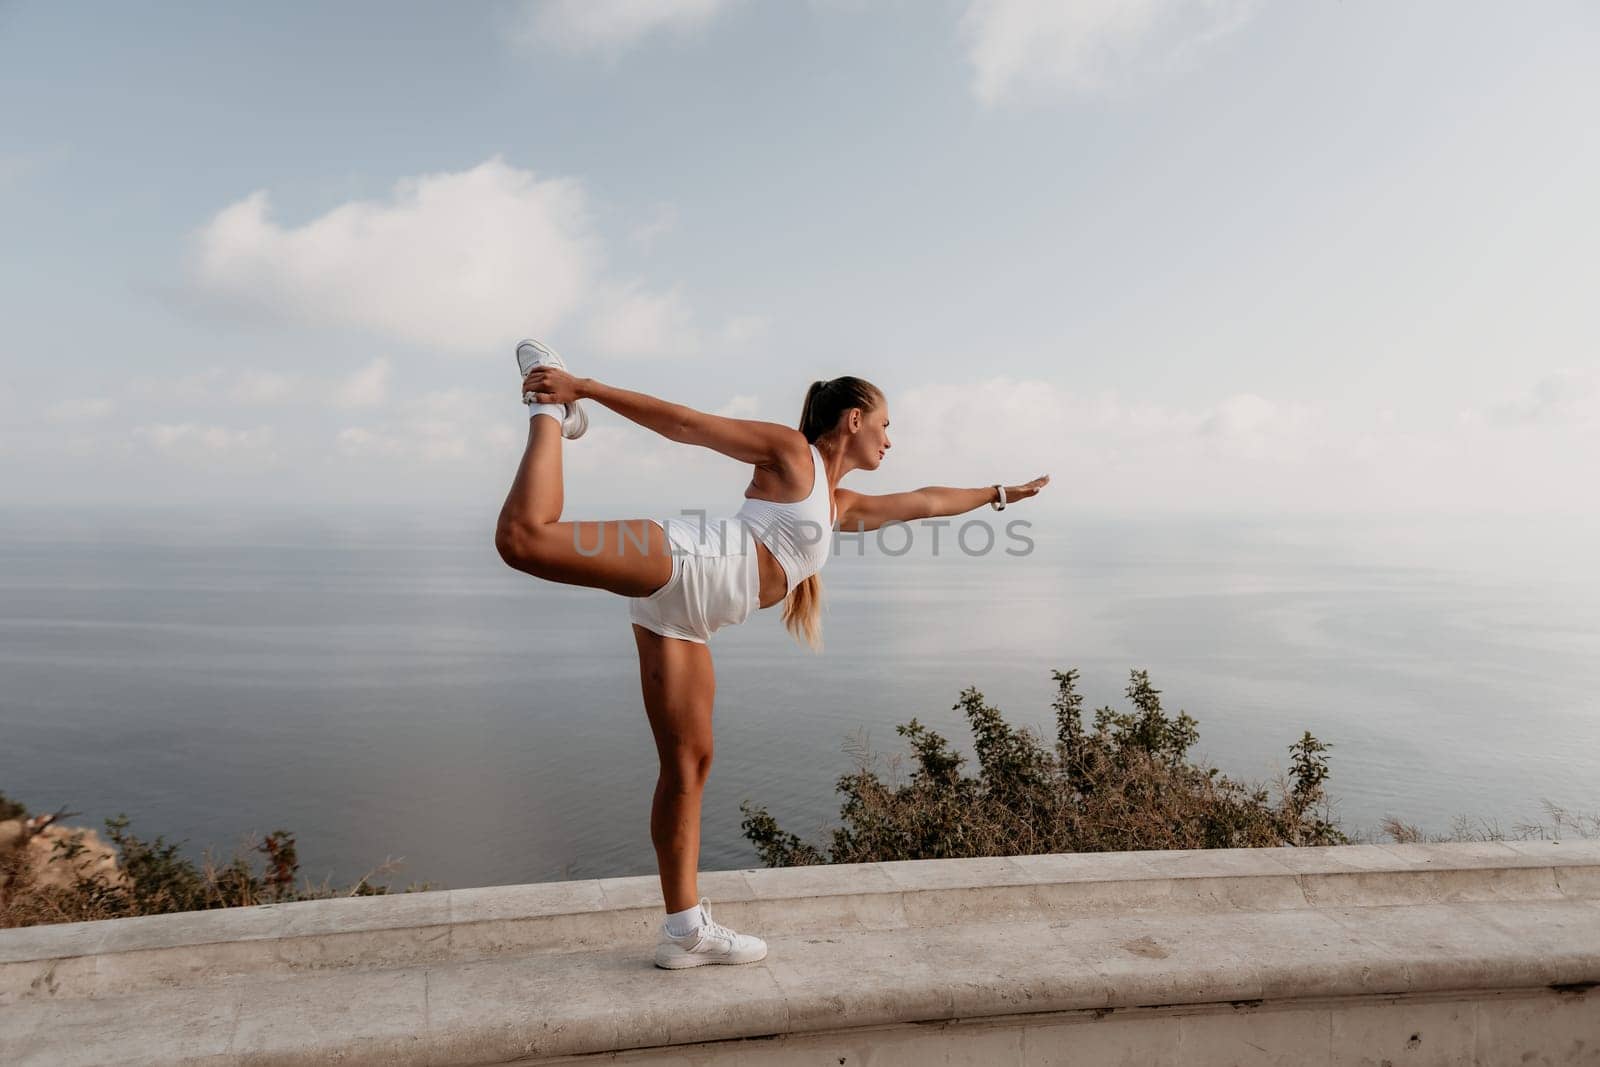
(504, 973)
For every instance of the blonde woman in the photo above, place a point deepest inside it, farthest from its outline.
(685, 579)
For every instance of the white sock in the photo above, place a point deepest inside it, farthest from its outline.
(557, 411)
(685, 922)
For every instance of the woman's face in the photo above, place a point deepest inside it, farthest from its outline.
(872, 439)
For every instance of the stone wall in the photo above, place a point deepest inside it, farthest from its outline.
(1483, 953)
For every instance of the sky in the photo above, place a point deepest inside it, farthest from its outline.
(1208, 257)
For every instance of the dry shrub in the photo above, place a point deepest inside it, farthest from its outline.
(51, 873)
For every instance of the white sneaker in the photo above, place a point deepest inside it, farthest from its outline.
(531, 354)
(711, 943)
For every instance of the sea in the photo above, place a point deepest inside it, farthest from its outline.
(418, 713)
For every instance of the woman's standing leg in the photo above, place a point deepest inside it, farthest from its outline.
(679, 689)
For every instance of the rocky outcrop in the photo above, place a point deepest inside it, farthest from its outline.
(37, 853)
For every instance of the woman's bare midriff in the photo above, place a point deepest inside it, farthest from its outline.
(774, 583)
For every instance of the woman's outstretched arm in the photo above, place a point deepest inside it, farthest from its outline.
(747, 440)
(869, 511)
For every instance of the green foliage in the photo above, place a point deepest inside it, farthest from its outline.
(1125, 784)
(161, 880)
(155, 879)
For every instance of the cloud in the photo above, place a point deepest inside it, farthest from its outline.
(1246, 452)
(200, 440)
(440, 426)
(478, 435)
(18, 167)
(367, 387)
(739, 407)
(661, 223)
(79, 410)
(429, 442)
(460, 261)
(609, 27)
(1560, 399)
(224, 386)
(437, 442)
(1249, 425)
(743, 330)
(1242, 452)
(228, 385)
(629, 321)
(1114, 451)
(1088, 45)
(262, 387)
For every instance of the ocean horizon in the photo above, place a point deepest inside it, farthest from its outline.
(388, 691)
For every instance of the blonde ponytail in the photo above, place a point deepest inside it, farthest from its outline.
(802, 612)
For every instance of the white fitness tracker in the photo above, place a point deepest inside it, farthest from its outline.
(1001, 504)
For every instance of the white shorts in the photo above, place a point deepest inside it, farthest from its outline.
(716, 580)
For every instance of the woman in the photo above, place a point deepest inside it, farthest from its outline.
(684, 580)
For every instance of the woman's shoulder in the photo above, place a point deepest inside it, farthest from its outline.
(794, 457)
(791, 471)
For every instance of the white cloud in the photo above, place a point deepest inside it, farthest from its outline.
(1111, 452)
(739, 407)
(609, 26)
(1088, 44)
(262, 387)
(460, 438)
(225, 385)
(662, 222)
(629, 321)
(438, 426)
(1241, 452)
(18, 167)
(191, 388)
(356, 439)
(367, 387)
(430, 441)
(222, 387)
(79, 410)
(1249, 425)
(195, 439)
(743, 330)
(1244, 452)
(461, 261)
(1563, 398)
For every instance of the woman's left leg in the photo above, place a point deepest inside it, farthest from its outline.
(629, 557)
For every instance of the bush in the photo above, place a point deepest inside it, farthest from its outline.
(51, 873)
(1124, 785)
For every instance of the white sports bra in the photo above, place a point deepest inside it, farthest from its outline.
(797, 533)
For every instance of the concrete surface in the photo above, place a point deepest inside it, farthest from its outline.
(1480, 953)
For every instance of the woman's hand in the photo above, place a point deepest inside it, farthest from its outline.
(1026, 489)
(551, 385)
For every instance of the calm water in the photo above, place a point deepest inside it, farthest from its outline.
(408, 696)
